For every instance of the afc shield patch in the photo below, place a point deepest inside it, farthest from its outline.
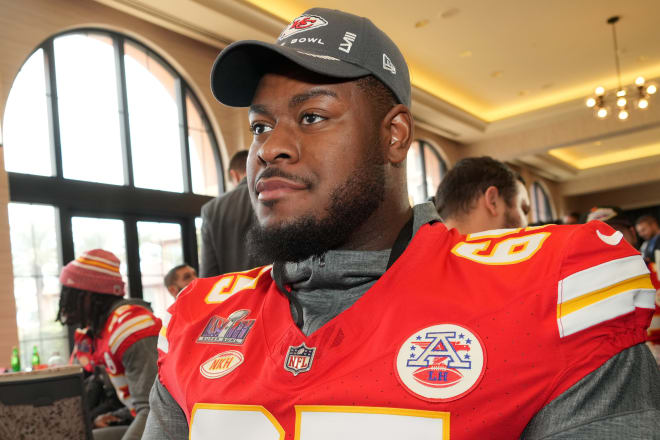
(441, 363)
(299, 359)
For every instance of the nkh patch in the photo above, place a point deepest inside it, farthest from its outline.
(440, 363)
(221, 364)
(299, 359)
(230, 330)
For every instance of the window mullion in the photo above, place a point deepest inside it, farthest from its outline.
(67, 254)
(183, 136)
(422, 145)
(133, 257)
(53, 110)
(189, 242)
(122, 101)
(216, 153)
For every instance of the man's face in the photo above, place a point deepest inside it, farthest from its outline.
(515, 215)
(315, 168)
(184, 276)
(646, 230)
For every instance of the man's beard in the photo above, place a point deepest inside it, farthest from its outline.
(351, 204)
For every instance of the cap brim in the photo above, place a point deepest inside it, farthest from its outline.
(239, 67)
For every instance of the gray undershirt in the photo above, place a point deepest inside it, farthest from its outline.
(325, 286)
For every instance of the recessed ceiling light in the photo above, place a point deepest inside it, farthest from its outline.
(449, 13)
(496, 74)
(465, 54)
(422, 23)
(598, 143)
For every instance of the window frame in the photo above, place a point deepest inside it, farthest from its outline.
(536, 203)
(132, 204)
(422, 144)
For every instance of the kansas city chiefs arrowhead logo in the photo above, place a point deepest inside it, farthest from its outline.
(302, 24)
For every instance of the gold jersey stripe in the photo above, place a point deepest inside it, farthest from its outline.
(582, 301)
(98, 264)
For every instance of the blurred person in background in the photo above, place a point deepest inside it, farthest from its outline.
(119, 334)
(179, 277)
(225, 222)
(480, 194)
(648, 229)
(571, 219)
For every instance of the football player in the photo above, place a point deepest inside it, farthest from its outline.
(116, 333)
(376, 321)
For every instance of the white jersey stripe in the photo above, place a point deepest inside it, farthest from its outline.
(611, 307)
(600, 277)
(127, 329)
(119, 330)
(163, 344)
(166, 319)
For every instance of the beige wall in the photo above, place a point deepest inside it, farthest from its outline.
(448, 149)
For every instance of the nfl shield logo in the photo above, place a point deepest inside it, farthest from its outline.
(299, 359)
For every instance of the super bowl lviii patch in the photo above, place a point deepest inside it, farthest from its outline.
(231, 330)
(441, 363)
(299, 359)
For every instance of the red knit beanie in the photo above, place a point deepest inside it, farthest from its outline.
(95, 271)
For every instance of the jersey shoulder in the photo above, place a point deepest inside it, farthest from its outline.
(218, 289)
(127, 324)
(205, 297)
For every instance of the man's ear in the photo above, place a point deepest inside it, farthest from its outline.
(398, 127)
(234, 177)
(173, 290)
(491, 200)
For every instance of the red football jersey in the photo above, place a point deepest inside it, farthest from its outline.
(463, 337)
(126, 325)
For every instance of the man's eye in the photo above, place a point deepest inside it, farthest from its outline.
(311, 118)
(259, 128)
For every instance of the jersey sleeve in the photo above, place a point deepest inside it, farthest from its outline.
(129, 324)
(605, 300)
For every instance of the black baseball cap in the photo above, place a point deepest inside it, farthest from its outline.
(325, 41)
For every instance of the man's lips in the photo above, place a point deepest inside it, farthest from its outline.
(273, 188)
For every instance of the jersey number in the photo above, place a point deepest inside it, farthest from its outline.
(508, 251)
(231, 284)
(318, 423)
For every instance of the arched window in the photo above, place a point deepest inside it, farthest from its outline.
(542, 205)
(105, 146)
(425, 170)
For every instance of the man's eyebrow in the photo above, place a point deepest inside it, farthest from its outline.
(299, 99)
(260, 109)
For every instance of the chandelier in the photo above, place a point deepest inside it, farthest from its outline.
(620, 101)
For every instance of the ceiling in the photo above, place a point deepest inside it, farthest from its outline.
(506, 78)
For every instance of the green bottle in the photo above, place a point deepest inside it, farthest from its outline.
(15, 360)
(35, 358)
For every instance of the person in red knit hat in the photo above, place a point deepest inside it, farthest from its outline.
(119, 334)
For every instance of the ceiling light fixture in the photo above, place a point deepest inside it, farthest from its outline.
(619, 101)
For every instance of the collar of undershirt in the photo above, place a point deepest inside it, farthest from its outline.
(342, 269)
